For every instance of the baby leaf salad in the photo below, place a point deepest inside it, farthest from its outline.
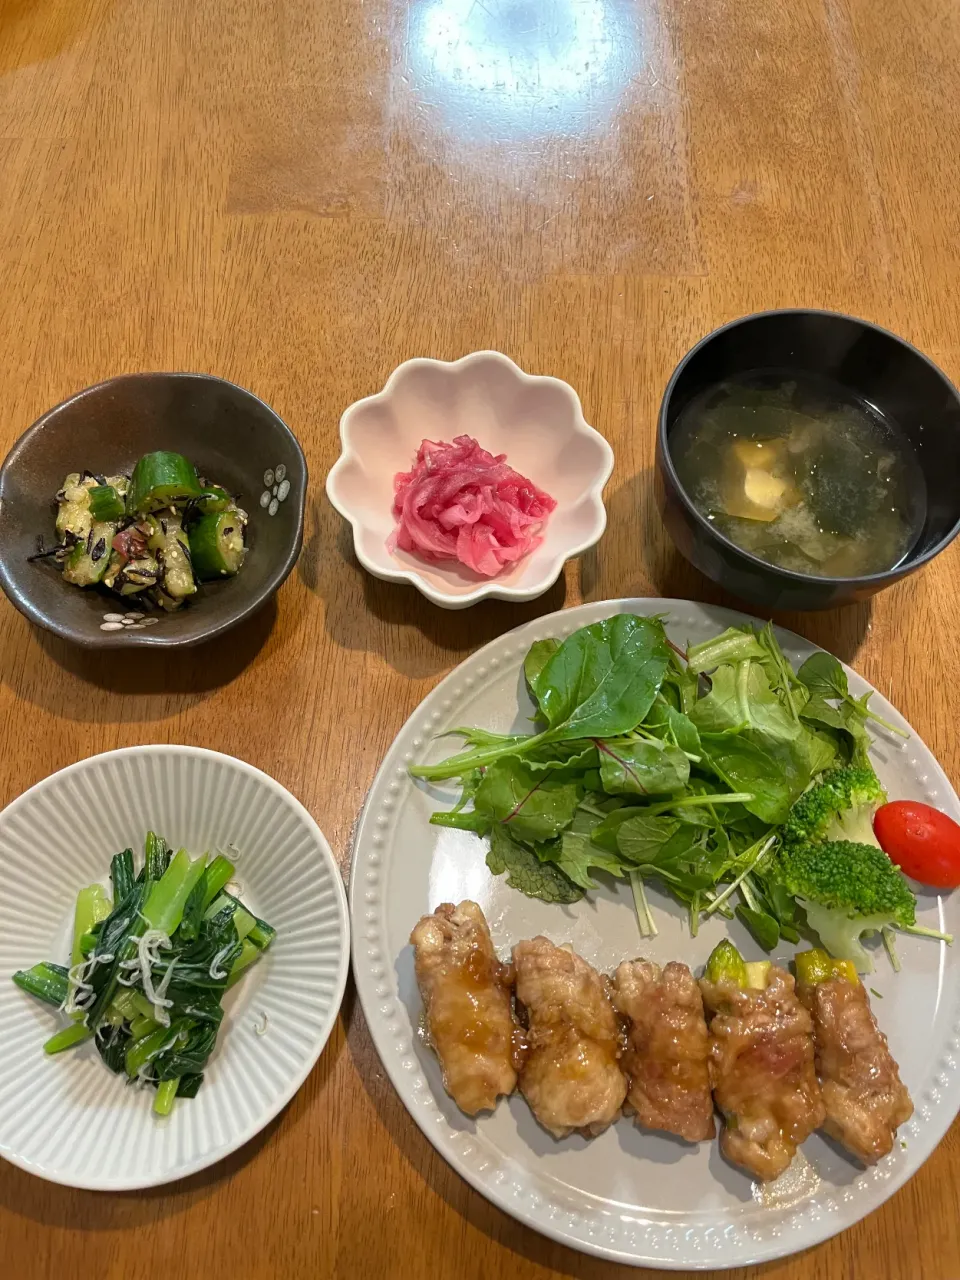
(736, 783)
(149, 969)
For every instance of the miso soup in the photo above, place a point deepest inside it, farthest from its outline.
(799, 472)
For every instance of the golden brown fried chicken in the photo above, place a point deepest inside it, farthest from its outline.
(865, 1100)
(667, 1046)
(571, 1078)
(762, 1071)
(466, 992)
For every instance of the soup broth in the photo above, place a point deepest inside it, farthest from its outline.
(797, 471)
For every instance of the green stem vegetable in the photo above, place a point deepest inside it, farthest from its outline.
(76, 1033)
(166, 1092)
(249, 954)
(648, 928)
(216, 877)
(48, 982)
(93, 905)
(161, 910)
(156, 856)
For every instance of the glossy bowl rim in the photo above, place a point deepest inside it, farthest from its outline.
(876, 580)
(148, 639)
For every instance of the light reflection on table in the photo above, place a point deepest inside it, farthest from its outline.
(515, 69)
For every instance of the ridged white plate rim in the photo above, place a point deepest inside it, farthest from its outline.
(392, 1034)
(284, 1096)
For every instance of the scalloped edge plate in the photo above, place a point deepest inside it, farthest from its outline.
(599, 1197)
(507, 410)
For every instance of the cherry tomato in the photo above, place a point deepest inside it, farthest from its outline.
(922, 841)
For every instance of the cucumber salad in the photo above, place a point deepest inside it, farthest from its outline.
(155, 535)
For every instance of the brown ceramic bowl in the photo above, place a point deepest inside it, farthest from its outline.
(231, 437)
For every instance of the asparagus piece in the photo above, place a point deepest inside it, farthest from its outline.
(816, 966)
(726, 962)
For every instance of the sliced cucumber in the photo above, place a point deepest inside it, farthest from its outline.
(73, 507)
(136, 576)
(77, 511)
(106, 502)
(212, 498)
(216, 545)
(89, 560)
(160, 597)
(159, 480)
(172, 549)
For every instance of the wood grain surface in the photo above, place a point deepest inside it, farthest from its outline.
(298, 196)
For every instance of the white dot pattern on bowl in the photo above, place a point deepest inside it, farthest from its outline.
(605, 1230)
(276, 489)
(131, 621)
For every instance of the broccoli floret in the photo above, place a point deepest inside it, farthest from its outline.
(839, 808)
(846, 890)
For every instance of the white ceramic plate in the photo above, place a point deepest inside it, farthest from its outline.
(67, 1118)
(630, 1196)
(536, 421)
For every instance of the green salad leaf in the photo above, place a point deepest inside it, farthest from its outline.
(645, 841)
(646, 763)
(822, 673)
(603, 679)
(736, 644)
(641, 767)
(577, 856)
(539, 654)
(525, 870)
(535, 804)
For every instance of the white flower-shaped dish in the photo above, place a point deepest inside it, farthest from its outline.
(536, 421)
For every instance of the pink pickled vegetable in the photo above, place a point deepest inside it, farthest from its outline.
(459, 502)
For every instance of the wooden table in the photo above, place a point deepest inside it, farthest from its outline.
(300, 195)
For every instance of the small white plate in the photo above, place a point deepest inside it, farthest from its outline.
(536, 421)
(630, 1196)
(67, 1118)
